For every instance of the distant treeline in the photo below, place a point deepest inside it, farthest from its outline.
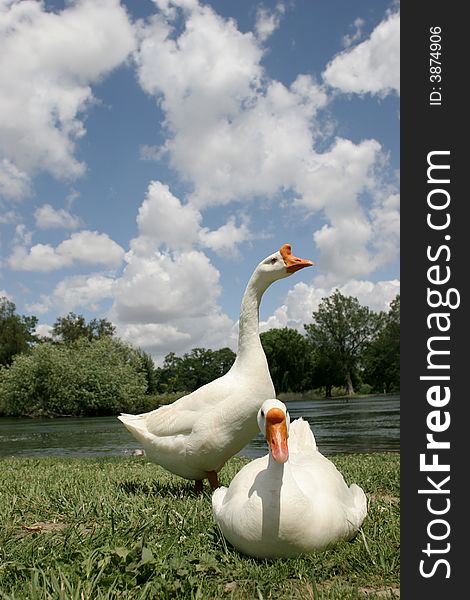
(85, 369)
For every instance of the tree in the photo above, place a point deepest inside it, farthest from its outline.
(326, 371)
(149, 371)
(289, 358)
(72, 327)
(341, 330)
(382, 357)
(87, 377)
(168, 374)
(193, 369)
(223, 359)
(196, 369)
(16, 332)
(200, 366)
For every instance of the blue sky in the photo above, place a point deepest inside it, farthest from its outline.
(152, 153)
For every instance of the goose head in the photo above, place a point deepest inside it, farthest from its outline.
(280, 264)
(273, 421)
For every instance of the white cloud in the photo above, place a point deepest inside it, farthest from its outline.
(86, 247)
(250, 132)
(167, 296)
(166, 221)
(303, 299)
(38, 308)
(78, 292)
(55, 57)
(168, 7)
(356, 35)
(169, 301)
(47, 217)
(85, 291)
(14, 183)
(22, 235)
(210, 66)
(297, 308)
(224, 240)
(343, 248)
(208, 331)
(267, 21)
(334, 179)
(9, 216)
(147, 152)
(359, 236)
(156, 338)
(372, 66)
(165, 286)
(41, 257)
(385, 217)
(91, 247)
(44, 330)
(377, 296)
(261, 151)
(256, 137)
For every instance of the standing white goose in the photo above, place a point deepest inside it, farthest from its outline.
(197, 434)
(291, 501)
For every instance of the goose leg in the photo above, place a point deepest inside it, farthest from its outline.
(198, 486)
(213, 479)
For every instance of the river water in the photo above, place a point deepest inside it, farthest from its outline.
(368, 424)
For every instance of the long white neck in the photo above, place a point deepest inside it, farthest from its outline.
(249, 343)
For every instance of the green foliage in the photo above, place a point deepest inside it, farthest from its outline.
(382, 357)
(327, 372)
(73, 327)
(341, 331)
(289, 358)
(365, 389)
(193, 369)
(86, 370)
(97, 377)
(334, 352)
(147, 367)
(16, 332)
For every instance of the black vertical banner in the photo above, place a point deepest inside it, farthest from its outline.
(435, 257)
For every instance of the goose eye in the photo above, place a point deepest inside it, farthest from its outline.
(273, 260)
(262, 413)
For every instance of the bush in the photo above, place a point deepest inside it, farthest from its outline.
(365, 389)
(155, 400)
(88, 377)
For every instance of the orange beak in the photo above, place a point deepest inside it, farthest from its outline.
(292, 262)
(276, 434)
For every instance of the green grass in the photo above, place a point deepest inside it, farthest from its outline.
(95, 529)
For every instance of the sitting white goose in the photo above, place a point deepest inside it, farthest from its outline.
(291, 501)
(197, 434)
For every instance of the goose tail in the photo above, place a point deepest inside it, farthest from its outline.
(218, 500)
(301, 437)
(359, 510)
(136, 424)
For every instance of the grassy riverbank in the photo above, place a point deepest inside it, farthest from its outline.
(95, 529)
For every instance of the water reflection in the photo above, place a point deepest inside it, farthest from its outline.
(369, 424)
